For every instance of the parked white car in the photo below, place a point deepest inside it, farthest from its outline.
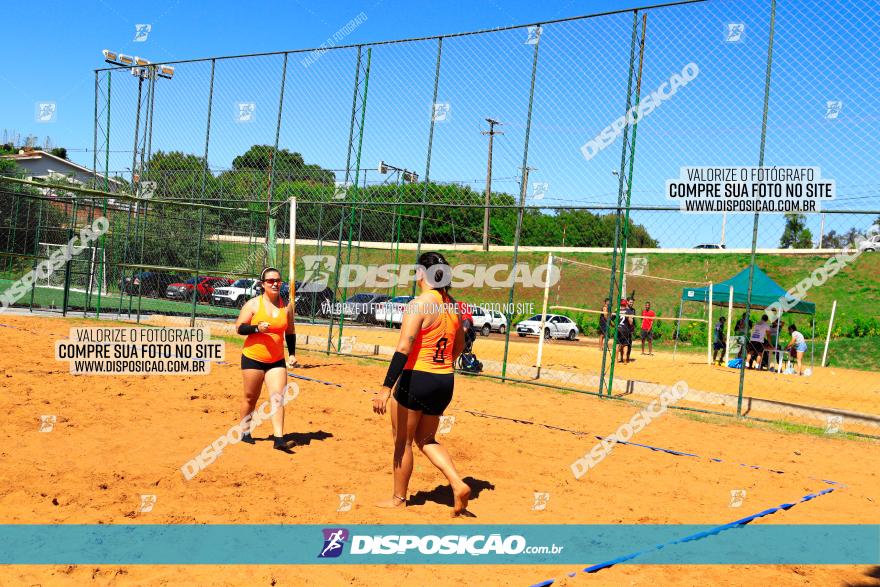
(487, 321)
(871, 244)
(235, 295)
(556, 326)
(392, 311)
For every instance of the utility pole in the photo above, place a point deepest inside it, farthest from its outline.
(525, 186)
(492, 132)
(723, 226)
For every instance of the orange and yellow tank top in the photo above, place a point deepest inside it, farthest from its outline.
(432, 348)
(267, 347)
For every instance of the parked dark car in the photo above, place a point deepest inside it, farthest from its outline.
(204, 285)
(376, 304)
(151, 283)
(313, 303)
(361, 307)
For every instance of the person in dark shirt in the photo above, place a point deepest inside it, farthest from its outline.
(625, 330)
(719, 343)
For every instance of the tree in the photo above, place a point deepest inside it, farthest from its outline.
(59, 152)
(796, 235)
(289, 166)
(179, 176)
(833, 240)
(20, 207)
(852, 236)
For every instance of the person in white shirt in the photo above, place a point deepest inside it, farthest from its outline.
(797, 346)
(756, 342)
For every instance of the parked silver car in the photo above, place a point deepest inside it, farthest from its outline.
(556, 326)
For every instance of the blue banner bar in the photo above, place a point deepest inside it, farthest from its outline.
(437, 544)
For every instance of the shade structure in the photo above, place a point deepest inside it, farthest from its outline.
(765, 291)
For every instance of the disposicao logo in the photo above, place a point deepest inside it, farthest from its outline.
(334, 541)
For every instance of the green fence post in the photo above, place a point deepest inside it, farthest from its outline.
(357, 74)
(106, 189)
(357, 166)
(36, 248)
(67, 265)
(522, 201)
(271, 191)
(767, 79)
(428, 161)
(611, 327)
(145, 170)
(632, 154)
(192, 321)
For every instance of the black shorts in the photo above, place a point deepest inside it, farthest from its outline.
(624, 337)
(756, 346)
(429, 393)
(648, 335)
(249, 363)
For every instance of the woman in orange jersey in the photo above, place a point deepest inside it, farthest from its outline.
(431, 338)
(266, 321)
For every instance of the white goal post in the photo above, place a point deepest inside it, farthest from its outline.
(85, 268)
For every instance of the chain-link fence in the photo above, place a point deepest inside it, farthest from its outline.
(500, 148)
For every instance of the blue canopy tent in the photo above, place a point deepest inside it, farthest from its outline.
(765, 292)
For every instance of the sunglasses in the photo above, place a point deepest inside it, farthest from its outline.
(271, 281)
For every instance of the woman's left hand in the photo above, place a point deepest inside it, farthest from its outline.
(380, 402)
(292, 362)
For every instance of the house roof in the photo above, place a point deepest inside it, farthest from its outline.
(37, 154)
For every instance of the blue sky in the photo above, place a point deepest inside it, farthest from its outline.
(823, 52)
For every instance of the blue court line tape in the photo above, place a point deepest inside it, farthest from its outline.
(310, 379)
(303, 377)
(8, 326)
(698, 536)
(630, 443)
(715, 460)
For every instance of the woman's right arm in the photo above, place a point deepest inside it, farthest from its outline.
(243, 324)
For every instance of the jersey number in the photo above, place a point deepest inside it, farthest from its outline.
(440, 351)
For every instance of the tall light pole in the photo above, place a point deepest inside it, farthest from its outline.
(143, 69)
(491, 132)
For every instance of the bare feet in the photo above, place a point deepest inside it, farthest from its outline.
(394, 502)
(460, 496)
